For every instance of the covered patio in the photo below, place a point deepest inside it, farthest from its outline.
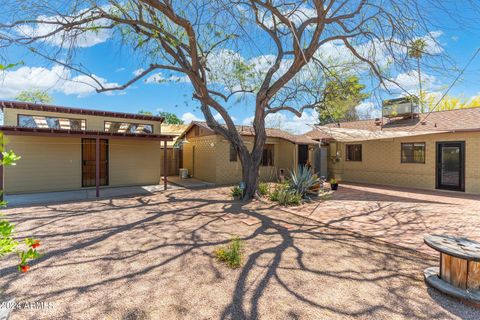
(99, 143)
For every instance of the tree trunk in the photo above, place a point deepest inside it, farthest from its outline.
(250, 174)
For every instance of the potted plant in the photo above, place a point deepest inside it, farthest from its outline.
(237, 193)
(333, 184)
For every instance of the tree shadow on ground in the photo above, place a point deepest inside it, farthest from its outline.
(292, 262)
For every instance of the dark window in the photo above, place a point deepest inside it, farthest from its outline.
(28, 121)
(413, 152)
(267, 157)
(233, 153)
(354, 152)
(126, 127)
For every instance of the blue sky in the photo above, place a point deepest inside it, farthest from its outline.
(107, 61)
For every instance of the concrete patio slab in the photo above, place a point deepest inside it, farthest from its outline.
(20, 200)
(190, 183)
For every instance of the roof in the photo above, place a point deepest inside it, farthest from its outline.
(174, 129)
(51, 108)
(271, 133)
(14, 130)
(441, 121)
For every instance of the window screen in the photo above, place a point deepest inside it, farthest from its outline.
(413, 152)
(354, 152)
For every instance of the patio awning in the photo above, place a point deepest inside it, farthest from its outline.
(353, 135)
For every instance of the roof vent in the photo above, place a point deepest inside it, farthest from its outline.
(424, 122)
(378, 121)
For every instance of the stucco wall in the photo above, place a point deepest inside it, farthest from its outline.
(47, 164)
(93, 123)
(381, 162)
(134, 162)
(55, 164)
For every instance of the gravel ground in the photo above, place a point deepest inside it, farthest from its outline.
(151, 258)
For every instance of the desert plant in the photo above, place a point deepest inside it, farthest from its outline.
(8, 244)
(287, 197)
(263, 188)
(237, 192)
(333, 181)
(273, 195)
(232, 254)
(303, 180)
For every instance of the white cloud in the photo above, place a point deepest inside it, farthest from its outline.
(138, 72)
(159, 78)
(408, 81)
(56, 79)
(288, 121)
(64, 39)
(188, 117)
(367, 110)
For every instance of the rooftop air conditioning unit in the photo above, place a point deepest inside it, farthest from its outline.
(400, 107)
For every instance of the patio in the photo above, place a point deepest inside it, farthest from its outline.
(150, 257)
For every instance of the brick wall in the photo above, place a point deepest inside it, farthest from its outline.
(381, 162)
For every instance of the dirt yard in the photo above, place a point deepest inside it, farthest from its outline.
(151, 257)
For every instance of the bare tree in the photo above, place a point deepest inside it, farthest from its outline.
(290, 38)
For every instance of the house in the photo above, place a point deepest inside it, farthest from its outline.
(440, 150)
(210, 157)
(68, 148)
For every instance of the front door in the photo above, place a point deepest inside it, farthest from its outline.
(302, 154)
(451, 165)
(88, 162)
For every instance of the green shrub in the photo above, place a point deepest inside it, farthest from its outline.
(237, 192)
(273, 195)
(232, 254)
(303, 181)
(289, 198)
(263, 188)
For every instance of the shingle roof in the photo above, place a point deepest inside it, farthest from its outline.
(452, 120)
(271, 133)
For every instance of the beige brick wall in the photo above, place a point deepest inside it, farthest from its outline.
(381, 163)
(212, 159)
(54, 164)
(199, 157)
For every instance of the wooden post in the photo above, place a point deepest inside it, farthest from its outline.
(165, 165)
(97, 167)
(1, 172)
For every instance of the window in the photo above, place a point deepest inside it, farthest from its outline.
(267, 157)
(233, 153)
(413, 152)
(354, 152)
(27, 121)
(126, 127)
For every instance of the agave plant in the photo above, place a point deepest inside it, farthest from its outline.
(303, 180)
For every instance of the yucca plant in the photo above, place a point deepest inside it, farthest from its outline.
(303, 181)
